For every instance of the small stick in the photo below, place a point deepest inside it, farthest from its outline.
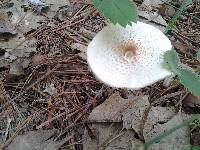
(56, 117)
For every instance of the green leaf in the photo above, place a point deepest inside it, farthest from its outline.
(198, 55)
(118, 11)
(172, 60)
(190, 80)
(186, 75)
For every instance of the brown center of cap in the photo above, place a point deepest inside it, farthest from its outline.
(129, 47)
(129, 50)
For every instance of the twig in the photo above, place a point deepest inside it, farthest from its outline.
(33, 84)
(68, 113)
(104, 145)
(19, 128)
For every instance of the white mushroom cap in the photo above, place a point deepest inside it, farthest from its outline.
(129, 57)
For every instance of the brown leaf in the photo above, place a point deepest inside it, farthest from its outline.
(35, 140)
(176, 140)
(191, 101)
(167, 10)
(115, 107)
(110, 137)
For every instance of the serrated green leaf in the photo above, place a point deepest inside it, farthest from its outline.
(190, 80)
(172, 60)
(187, 76)
(118, 11)
(198, 55)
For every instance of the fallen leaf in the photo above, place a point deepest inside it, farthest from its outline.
(39, 6)
(36, 140)
(132, 118)
(24, 21)
(115, 107)
(191, 101)
(153, 3)
(159, 115)
(146, 10)
(7, 31)
(167, 10)
(19, 44)
(175, 140)
(17, 50)
(29, 19)
(153, 16)
(17, 67)
(55, 6)
(104, 133)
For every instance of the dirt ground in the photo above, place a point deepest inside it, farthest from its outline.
(45, 80)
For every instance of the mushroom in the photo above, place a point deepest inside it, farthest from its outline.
(129, 57)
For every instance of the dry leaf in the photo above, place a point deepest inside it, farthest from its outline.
(132, 118)
(105, 132)
(191, 101)
(17, 51)
(17, 67)
(114, 107)
(153, 3)
(156, 125)
(35, 140)
(153, 16)
(6, 31)
(167, 10)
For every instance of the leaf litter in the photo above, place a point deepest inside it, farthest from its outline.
(174, 141)
(130, 113)
(36, 140)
